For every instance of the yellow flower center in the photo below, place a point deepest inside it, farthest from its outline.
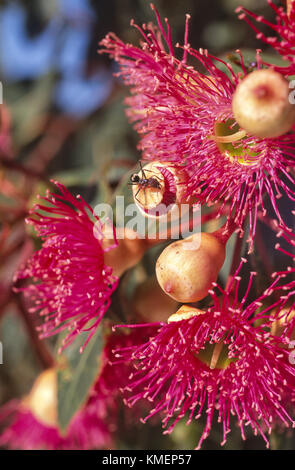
(215, 356)
(229, 139)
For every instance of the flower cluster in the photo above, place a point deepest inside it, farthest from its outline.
(87, 431)
(215, 363)
(212, 136)
(185, 117)
(93, 426)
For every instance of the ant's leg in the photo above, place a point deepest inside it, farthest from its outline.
(135, 196)
(142, 170)
(145, 202)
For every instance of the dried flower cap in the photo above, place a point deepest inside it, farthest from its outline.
(42, 399)
(159, 188)
(185, 312)
(187, 268)
(150, 303)
(261, 104)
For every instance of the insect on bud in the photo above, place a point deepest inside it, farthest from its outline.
(151, 303)
(158, 187)
(261, 104)
(187, 268)
(42, 399)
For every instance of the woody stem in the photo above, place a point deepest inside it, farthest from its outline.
(19, 167)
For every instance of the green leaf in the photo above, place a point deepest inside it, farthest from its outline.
(76, 374)
(75, 177)
(32, 104)
(249, 56)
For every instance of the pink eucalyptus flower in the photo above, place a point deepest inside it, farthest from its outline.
(284, 28)
(91, 428)
(289, 237)
(70, 284)
(31, 423)
(288, 277)
(185, 117)
(87, 431)
(215, 363)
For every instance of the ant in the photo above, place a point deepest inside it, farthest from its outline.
(248, 65)
(145, 182)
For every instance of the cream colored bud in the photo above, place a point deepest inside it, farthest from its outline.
(151, 303)
(261, 104)
(42, 399)
(187, 268)
(127, 253)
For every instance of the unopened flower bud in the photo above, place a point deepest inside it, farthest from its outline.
(158, 187)
(42, 399)
(151, 303)
(261, 104)
(128, 252)
(187, 268)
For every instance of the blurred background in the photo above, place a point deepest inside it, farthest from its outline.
(63, 117)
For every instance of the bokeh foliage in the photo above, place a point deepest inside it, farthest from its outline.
(68, 123)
